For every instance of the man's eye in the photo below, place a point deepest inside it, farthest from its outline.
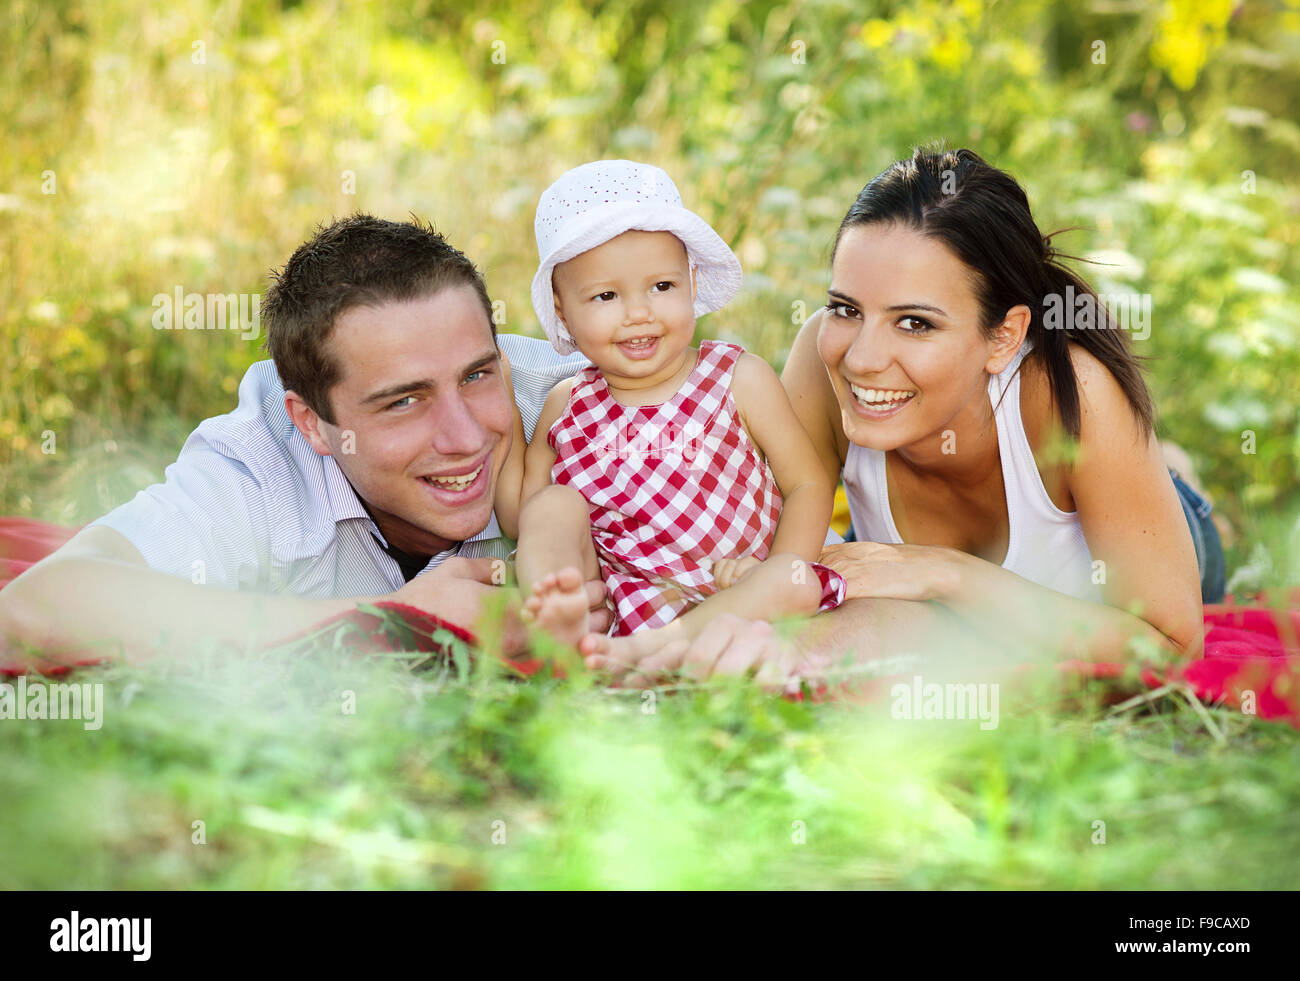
(921, 325)
(402, 402)
(842, 310)
(476, 375)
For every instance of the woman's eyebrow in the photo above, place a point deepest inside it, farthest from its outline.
(843, 297)
(916, 306)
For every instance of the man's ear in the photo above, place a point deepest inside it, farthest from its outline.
(307, 422)
(1007, 338)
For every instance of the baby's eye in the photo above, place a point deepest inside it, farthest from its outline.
(664, 287)
(606, 296)
(843, 310)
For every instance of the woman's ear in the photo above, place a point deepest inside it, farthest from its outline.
(1007, 338)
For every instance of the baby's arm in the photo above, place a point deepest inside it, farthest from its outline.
(554, 523)
(770, 420)
(510, 484)
(539, 457)
(556, 554)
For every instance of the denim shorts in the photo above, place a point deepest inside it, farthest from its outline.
(1209, 549)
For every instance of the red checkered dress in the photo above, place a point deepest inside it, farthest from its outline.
(672, 488)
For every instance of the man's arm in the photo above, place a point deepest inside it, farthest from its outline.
(96, 598)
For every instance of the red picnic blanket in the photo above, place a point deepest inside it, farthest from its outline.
(1252, 649)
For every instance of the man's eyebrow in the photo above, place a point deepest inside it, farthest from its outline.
(897, 308)
(424, 384)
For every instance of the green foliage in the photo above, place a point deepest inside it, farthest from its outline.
(433, 782)
(1174, 155)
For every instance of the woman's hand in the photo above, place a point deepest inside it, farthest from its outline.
(729, 646)
(910, 572)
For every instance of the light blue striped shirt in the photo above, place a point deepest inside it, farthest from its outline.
(250, 505)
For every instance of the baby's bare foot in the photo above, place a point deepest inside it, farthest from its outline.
(559, 605)
(621, 657)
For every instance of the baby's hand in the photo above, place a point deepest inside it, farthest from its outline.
(728, 572)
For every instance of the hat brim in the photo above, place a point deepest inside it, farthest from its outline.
(717, 270)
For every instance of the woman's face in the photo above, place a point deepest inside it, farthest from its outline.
(901, 338)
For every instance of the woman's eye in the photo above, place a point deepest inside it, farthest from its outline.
(842, 310)
(921, 325)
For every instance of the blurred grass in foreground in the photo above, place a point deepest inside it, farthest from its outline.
(488, 783)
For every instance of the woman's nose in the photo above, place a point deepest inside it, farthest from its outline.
(869, 354)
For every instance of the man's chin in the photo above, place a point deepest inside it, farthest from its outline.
(456, 525)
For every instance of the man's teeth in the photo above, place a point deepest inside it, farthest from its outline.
(455, 483)
(880, 396)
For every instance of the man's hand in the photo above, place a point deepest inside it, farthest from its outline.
(459, 590)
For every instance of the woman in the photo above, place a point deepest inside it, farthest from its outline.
(1002, 452)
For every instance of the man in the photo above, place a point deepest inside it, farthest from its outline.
(360, 465)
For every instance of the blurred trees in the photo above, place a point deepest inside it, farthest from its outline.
(196, 145)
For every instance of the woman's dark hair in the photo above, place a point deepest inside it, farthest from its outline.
(982, 215)
(356, 261)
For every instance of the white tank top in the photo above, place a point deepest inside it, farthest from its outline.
(1045, 544)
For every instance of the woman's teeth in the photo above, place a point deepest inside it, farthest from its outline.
(878, 397)
(455, 483)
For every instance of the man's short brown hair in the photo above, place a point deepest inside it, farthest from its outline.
(356, 261)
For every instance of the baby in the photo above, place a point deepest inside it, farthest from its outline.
(681, 476)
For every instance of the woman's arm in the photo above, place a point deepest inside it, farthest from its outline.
(1136, 533)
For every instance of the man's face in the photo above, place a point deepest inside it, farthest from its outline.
(429, 412)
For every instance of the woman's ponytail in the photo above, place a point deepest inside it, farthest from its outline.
(1069, 311)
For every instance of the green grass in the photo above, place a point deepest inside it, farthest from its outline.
(207, 174)
(485, 782)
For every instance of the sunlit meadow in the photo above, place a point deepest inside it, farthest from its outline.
(194, 145)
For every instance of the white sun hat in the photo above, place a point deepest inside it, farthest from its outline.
(599, 201)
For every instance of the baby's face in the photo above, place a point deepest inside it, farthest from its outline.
(629, 305)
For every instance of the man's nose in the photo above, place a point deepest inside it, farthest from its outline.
(457, 431)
